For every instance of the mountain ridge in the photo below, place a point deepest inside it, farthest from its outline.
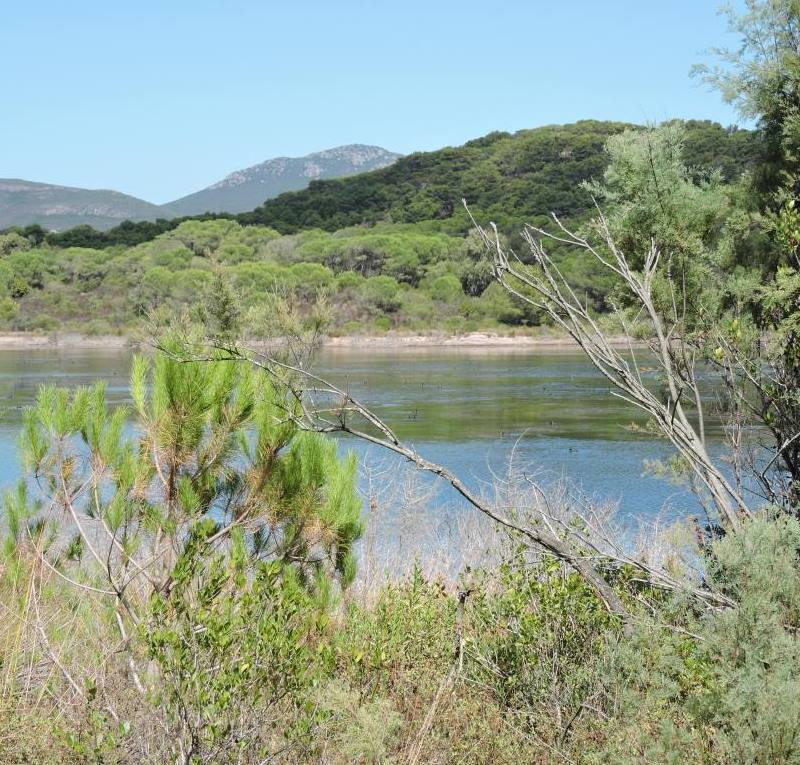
(58, 207)
(510, 178)
(245, 189)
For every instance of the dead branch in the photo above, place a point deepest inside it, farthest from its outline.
(545, 287)
(339, 416)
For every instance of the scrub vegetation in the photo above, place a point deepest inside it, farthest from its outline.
(196, 580)
(391, 249)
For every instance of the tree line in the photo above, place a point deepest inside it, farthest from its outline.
(182, 580)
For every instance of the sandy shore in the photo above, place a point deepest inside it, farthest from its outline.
(389, 341)
(472, 340)
(31, 340)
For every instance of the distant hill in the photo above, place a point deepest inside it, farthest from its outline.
(58, 208)
(246, 189)
(61, 207)
(508, 178)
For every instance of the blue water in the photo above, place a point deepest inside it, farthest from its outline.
(465, 409)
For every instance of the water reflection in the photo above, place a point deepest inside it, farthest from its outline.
(465, 408)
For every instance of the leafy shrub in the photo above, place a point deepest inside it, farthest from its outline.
(236, 653)
(310, 278)
(348, 280)
(382, 292)
(44, 323)
(382, 323)
(497, 304)
(8, 309)
(446, 288)
(476, 278)
(731, 694)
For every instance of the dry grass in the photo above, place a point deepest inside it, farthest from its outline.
(66, 694)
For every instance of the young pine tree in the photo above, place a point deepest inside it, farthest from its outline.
(208, 532)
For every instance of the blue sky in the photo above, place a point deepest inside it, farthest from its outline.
(159, 99)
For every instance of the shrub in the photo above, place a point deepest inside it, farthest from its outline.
(154, 289)
(446, 288)
(476, 278)
(497, 304)
(382, 291)
(173, 259)
(382, 323)
(8, 309)
(236, 652)
(349, 280)
(723, 689)
(310, 278)
(44, 323)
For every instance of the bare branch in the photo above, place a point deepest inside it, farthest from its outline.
(545, 287)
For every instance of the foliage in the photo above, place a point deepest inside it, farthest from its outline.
(235, 652)
(404, 222)
(200, 522)
(650, 194)
(548, 631)
(762, 78)
(226, 276)
(177, 577)
(533, 173)
(723, 688)
(221, 314)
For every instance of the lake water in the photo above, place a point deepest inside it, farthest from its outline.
(465, 408)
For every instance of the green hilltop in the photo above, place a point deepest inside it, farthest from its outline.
(391, 248)
(509, 178)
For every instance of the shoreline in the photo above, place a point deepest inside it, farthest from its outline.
(472, 341)
(24, 341)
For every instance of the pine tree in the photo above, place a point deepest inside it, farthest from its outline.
(221, 310)
(203, 504)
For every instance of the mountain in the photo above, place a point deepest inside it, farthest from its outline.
(508, 178)
(62, 207)
(246, 189)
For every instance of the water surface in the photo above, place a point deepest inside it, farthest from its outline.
(465, 408)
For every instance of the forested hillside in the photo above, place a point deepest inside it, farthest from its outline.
(507, 178)
(511, 178)
(390, 249)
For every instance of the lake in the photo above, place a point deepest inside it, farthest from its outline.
(466, 408)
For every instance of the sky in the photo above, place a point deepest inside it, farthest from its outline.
(161, 98)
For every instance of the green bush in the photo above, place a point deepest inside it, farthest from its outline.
(8, 309)
(476, 278)
(44, 323)
(382, 323)
(446, 288)
(382, 292)
(235, 650)
(497, 304)
(349, 280)
(310, 278)
(174, 259)
(723, 688)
